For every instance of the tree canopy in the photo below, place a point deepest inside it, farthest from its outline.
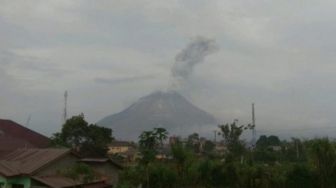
(86, 139)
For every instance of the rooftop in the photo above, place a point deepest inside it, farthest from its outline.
(58, 181)
(122, 143)
(28, 161)
(13, 130)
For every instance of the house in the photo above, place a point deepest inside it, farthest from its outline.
(275, 148)
(124, 151)
(14, 136)
(220, 148)
(106, 168)
(25, 168)
(120, 147)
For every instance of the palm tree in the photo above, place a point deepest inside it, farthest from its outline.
(149, 142)
(161, 134)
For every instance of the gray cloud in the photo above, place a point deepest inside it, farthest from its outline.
(123, 80)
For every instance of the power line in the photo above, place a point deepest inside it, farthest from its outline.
(298, 129)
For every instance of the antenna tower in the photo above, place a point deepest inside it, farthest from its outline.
(28, 120)
(65, 113)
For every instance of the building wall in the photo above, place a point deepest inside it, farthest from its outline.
(8, 182)
(57, 166)
(108, 170)
(117, 149)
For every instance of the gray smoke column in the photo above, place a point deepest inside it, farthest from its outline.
(192, 55)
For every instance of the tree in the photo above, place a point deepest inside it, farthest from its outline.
(231, 134)
(161, 134)
(79, 172)
(264, 151)
(209, 146)
(300, 176)
(264, 141)
(273, 140)
(73, 133)
(97, 141)
(323, 157)
(183, 159)
(193, 142)
(88, 140)
(150, 142)
(161, 176)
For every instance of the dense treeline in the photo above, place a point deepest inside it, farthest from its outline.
(271, 163)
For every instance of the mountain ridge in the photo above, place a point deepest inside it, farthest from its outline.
(167, 109)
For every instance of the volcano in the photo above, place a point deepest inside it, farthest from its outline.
(169, 110)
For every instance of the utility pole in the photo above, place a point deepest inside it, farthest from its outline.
(215, 133)
(65, 113)
(254, 133)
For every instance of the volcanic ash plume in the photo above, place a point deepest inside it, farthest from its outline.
(192, 55)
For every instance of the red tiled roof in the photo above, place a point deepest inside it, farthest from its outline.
(28, 161)
(16, 131)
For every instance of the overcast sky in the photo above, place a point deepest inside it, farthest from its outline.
(279, 54)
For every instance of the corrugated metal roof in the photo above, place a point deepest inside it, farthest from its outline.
(15, 130)
(57, 181)
(9, 168)
(60, 182)
(29, 160)
(99, 160)
(9, 144)
(102, 160)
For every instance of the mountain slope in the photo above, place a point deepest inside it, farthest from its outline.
(159, 109)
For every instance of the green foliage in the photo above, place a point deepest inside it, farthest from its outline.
(209, 146)
(193, 143)
(323, 159)
(131, 177)
(264, 141)
(265, 155)
(89, 140)
(79, 172)
(153, 139)
(181, 156)
(231, 134)
(299, 163)
(97, 140)
(150, 142)
(264, 151)
(301, 176)
(162, 176)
